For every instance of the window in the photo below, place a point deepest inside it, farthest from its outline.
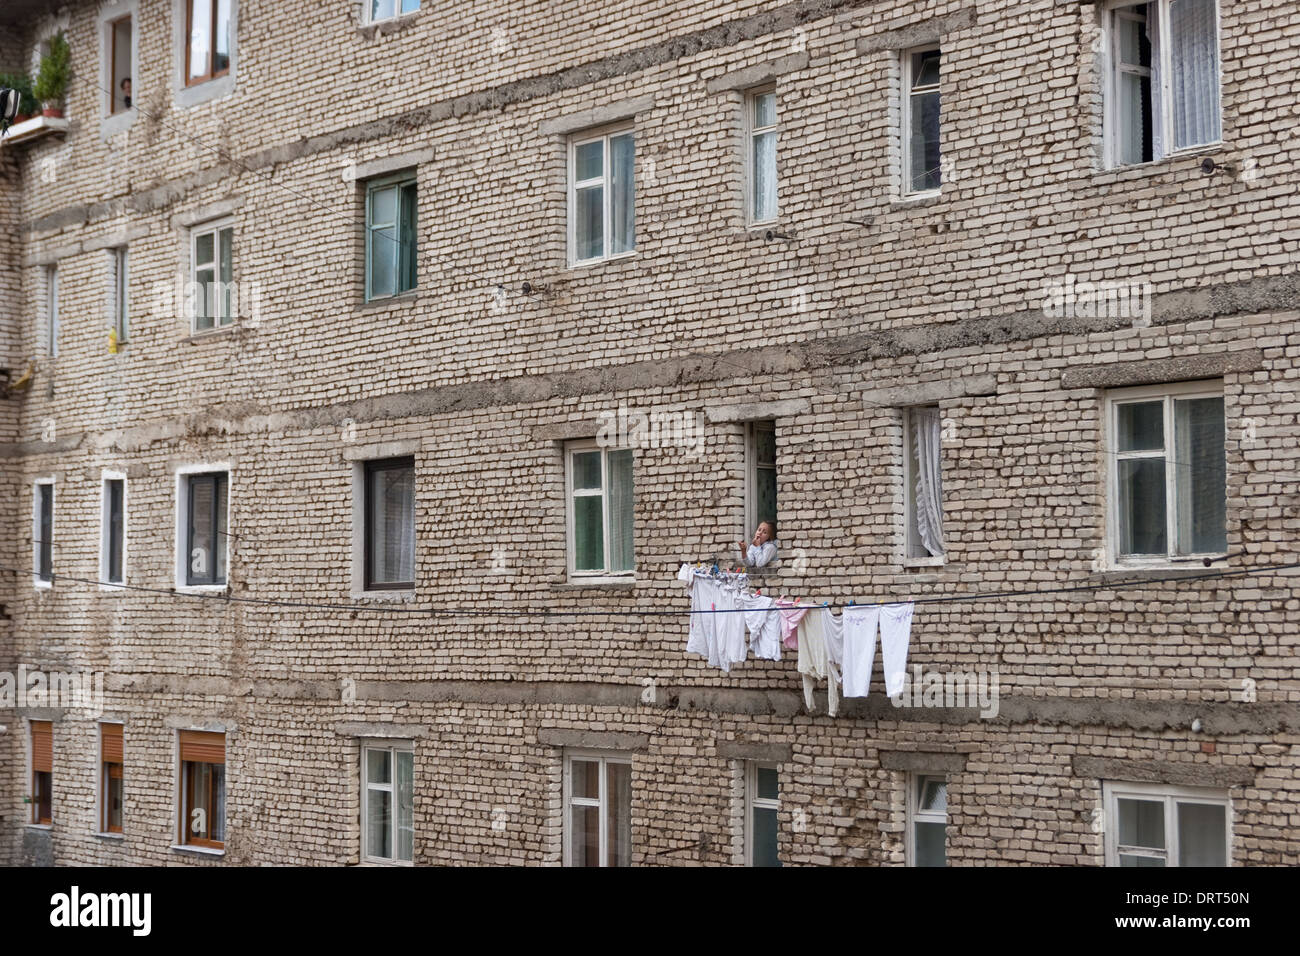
(920, 121)
(203, 789)
(928, 827)
(209, 32)
(760, 474)
(601, 197)
(1154, 825)
(390, 523)
(43, 531)
(52, 311)
(202, 507)
(388, 801)
(110, 780)
(760, 108)
(923, 481)
(119, 40)
(1168, 473)
(1163, 89)
(597, 810)
(390, 236)
(762, 809)
(42, 771)
(213, 267)
(112, 555)
(600, 510)
(121, 305)
(377, 10)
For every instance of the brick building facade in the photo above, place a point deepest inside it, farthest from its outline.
(379, 193)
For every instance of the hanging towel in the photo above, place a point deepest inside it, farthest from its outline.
(791, 615)
(728, 628)
(895, 635)
(763, 619)
(860, 623)
(815, 661)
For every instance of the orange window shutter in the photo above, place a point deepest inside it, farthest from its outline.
(42, 746)
(200, 746)
(110, 736)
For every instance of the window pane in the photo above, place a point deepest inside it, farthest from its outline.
(584, 836)
(765, 837)
(392, 525)
(200, 37)
(583, 779)
(1201, 835)
(1144, 861)
(203, 246)
(586, 470)
(219, 567)
(405, 805)
(115, 531)
(1142, 506)
(379, 826)
(766, 780)
(621, 500)
(622, 216)
(588, 534)
(589, 225)
(1194, 63)
(1141, 426)
(407, 266)
(383, 262)
(589, 161)
(222, 60)
(1142, 824)
(225, 274)
(765, 445)
(619, 812)
(924, 142)
(113, 796)
(765, 503)
(381, 9)
(1200, 475)
(931, 839)
(1131, 40)
(45, 547)
(933, 797)
(217, 816)
(764, 160)
(379, 767)
(201, 553)
(764, 110)
(925, 68)
(1134, 120)
(410, 6)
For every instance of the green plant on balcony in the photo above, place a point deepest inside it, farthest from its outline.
(52, 78)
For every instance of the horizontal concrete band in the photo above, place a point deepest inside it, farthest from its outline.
(923, 761)
(1218, 718)
(1246, 297)
(756, 750)
(1156, 371)
(1163, 771)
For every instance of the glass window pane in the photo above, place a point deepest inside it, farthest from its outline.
(765, 503)
(203, 246)
(219, 545)
(764, 110)
(381, 9)
(588, 534)
(217, 817)
(1142, 823)
(407, 266)
(583, 779)
(622, 189)
(584, 836)
(378, 766)
(1200, 476)
(1144, 861)
(923, 147)
(589, 161)
(201, 553)
(410, 6)
(1133, 125)
(925, 68)
(113, 797)
(931, 840)
(621, 502)
(619, 813)
(383, 262)
(589, 225)
(766, 781)
(933, 797)
(221, 62)
(765, 837)
(1131, 40)
(1141, 426)
(405, 799)
(1194, 63)
(764, 161)
(379, 825)
(586, 470)
(1142, 528)
(1201, 835)
(765, 445)
(383, 206)
(200, 37)
(225, 274)
(115, 531)
(392, 525)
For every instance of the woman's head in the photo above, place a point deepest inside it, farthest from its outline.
(766, 532)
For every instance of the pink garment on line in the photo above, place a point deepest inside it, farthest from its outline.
(791, 615)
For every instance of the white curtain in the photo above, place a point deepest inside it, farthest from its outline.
(929, 481)
(1194, 69)
(1157, 79)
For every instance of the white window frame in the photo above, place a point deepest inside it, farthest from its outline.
(753, 801)
(605, 575)
(604, 134)
(101, 799)
(1110, 95)
(752, 466)
(905, 114)
(1113, 792)
(37, 580)
(119, 293)
(52, 311)
(368, 17)
(214, 227)
(104, 529)
(752, 133)
(1117, 397)
(393, 747)
(182, 529)
(603, 758)
(915, 781)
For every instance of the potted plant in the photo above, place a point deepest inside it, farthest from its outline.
(26, 102)
(52, 78)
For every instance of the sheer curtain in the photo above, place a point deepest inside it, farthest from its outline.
(929, 482)
(1194, 71)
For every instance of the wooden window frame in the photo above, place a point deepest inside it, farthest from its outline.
(106, 773)
(112, 62)
(369, 468)
(212, 44)
(187, 770)
(43, 728)
(754, 802)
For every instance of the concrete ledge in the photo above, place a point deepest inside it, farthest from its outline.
(752, 750)
(1158, 371)
(379, 729)
(387, 164)
(567, 431)
(114, 239)
(597, 116)
(215, 210)
(1162, 771)
(751, 411)
(53, 256)
(921, 761)
(593, 739)
(758, 74)
(503, 692)
(932, 30)
(927, 393)
(388, 449)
